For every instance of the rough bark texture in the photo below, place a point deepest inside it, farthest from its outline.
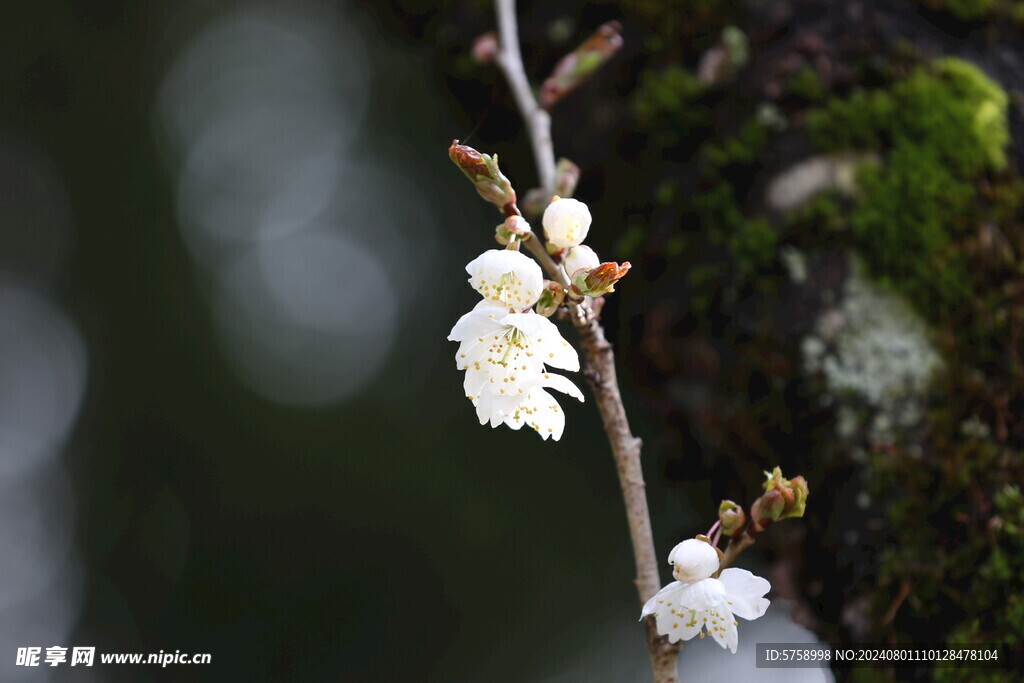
(599, 369)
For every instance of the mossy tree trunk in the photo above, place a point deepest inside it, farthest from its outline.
(825, 211)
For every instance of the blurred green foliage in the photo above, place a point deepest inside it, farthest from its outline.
(915, 206)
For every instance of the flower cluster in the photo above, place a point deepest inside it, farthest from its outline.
(506, 343)
(505, 347)
(566, 224)
(697, 604)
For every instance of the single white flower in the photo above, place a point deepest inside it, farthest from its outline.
(693, 560)
(504, 355)
(566, 223)
(507, 277)
(579, 258)
(683, 610)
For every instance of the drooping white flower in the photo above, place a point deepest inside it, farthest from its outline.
(566, 223)
(579, 258)
(693, 560)
(538, 410)
(507, 277)
(504, 356)
(683, 610)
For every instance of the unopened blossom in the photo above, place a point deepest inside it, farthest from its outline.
(566, 223)
(507, 277)
(693, 560)
(684, 610)
(600, 280)
(505, 356)
(580, 257)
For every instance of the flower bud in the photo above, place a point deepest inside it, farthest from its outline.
(731, 516)
(800, 493)
(550, 299)
(767, 509)
(485, 48)
(693, 560)
(576, 67)
(483, 171)
(600, 280)
(793, 491)
(567, 175)
(578, 258)
(534, 202)
(514, 228)
(566, 223)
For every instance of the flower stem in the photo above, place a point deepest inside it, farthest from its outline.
(737, 544)
(599, 359)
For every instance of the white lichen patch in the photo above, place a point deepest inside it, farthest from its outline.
(877, 361)
(806, 179)
(795, 263)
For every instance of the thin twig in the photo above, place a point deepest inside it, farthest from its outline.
(599, 359)
(538, 121)
(737, 544)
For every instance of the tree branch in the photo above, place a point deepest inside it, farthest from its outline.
(538, 121)
(599, 359)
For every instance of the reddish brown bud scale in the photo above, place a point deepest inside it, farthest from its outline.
(485, 175)
(470, 161)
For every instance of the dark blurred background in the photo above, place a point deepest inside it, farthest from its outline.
(233, 247)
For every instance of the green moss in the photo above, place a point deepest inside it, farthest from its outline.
(753, 244)
(965, 10)
(998, 584)
(806, 85)
(979, 10)
(749, 243)
(943, 128)
(665, 102)
(741, 149)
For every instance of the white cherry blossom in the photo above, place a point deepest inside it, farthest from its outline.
(507, 277)
(566, 223)
(683, 610)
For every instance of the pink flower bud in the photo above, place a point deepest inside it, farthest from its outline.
(485, 48)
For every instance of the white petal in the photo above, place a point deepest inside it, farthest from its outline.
(674, 618)
(679, 624)
(495, 408)
(703, 595)
(550, 380)
(481, 321)
(541, 412)
(531, 324)
(668, 593)
(744, 592)
(721, 626)
(545, 339)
